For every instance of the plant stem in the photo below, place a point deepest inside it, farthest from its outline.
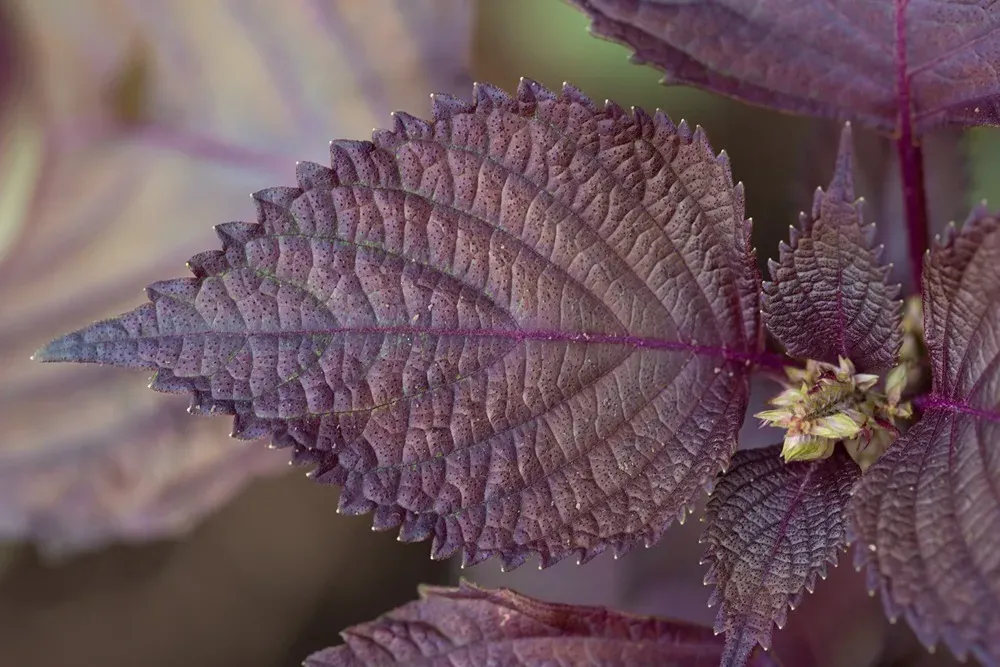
(911, 166)
(911, 157)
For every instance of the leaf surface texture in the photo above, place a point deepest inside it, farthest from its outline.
(927, 515)
(829, 295)
(772, 529)
(523, 327)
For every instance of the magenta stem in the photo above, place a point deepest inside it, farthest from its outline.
(911, 162)
(911, 157)
(936, 402)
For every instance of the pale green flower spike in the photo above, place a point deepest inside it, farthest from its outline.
(823, 404)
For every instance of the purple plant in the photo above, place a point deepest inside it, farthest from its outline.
(528, 326)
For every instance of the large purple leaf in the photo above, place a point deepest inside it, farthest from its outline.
(772, 529)
(929, 61)
(525, 326)
(469, 626)
(829, 296)
(142, 124)
(927, 514)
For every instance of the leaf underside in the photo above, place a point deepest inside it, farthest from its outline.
(829, 295)
(772, 529)
(927, 515)
(523, 327)
(468, 626)
(832, 58)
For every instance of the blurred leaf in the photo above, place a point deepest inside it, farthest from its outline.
(153, 121)
(473, 626)
(886, 64)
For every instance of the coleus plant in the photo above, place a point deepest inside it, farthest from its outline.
(528, 326)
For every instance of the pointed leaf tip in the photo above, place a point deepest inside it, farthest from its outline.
(58, 350)
(829, 294)
(842, 183)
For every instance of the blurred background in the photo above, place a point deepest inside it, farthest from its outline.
(133, 533)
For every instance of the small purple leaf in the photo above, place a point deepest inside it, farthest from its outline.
(877, 62)
(927, 515)
(772, 529)
(473, 626)
(523, 327)
(878, 178)
(829, 296)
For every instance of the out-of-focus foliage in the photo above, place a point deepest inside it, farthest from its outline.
(469, 626)
(141, 124)
(884, 64)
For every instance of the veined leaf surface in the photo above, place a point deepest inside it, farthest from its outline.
(523, 327)
(829, 295)
(927, 514)
(772, 529)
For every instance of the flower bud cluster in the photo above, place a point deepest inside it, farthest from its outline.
(824, 404)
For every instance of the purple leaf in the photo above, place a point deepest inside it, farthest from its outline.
(772, 528)
(142, 124)
(878, 178)
(523, 327)
(876, 62)
(927, 514)
(455, 627)
(829, 296)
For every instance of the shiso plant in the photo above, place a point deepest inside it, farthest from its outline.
(527, 327)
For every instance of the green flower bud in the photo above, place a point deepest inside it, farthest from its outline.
(823, 404)
(836, 426)
(806, 448)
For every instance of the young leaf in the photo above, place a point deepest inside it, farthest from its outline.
(482, 327)
(140, 124)
(829, 296)
(878, 178)
(927, 514)
(772, 528)
(473, 626)
(877, 62)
